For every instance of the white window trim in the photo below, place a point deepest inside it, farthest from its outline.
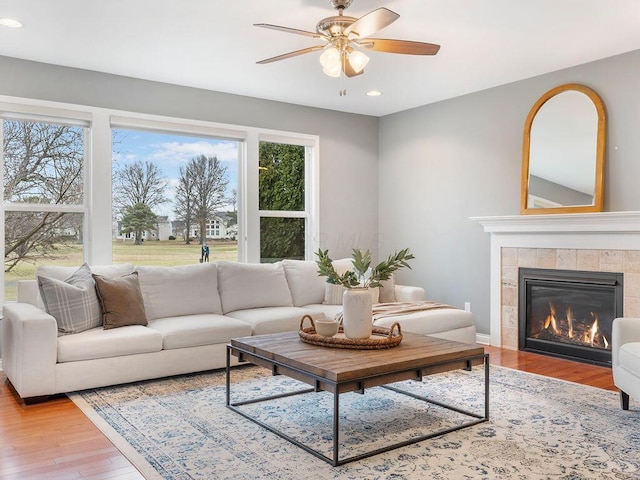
(97, 193)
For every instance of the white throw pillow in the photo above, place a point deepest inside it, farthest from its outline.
(388, 290)
(333, 294)
(72, 302)
(252, 285)
(307, 287)
(180, 290)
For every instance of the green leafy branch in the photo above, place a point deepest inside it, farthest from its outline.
(362, 274)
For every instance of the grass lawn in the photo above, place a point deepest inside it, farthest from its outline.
(164, 253)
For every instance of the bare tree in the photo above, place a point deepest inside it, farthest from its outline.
(208, 178)
(138, 182)
(184, 201)
(43, 164)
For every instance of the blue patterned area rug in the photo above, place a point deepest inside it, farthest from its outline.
(540, 428)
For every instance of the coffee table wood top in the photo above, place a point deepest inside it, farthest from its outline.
(339, 365)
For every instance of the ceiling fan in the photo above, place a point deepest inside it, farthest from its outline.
(342, 36)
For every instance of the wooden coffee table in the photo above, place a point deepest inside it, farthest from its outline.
(339, 371)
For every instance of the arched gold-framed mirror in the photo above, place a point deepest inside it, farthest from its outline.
(563, 152)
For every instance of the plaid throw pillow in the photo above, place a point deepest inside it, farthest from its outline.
(72, 302)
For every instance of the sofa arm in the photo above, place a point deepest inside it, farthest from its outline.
(405, 293)
(29, 349)
(624, 330)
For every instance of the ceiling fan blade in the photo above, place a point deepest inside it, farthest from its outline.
(288, 30)
(399, 46)
(291, 54)
(372, 22)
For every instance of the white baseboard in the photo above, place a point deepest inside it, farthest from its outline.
(483, 339)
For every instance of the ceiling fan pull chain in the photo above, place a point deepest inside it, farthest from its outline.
(342, 91)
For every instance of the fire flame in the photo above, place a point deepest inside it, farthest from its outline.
(594, 329)
(591, 335)
(551, 319)
(570, 321)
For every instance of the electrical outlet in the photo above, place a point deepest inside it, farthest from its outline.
(467, 306)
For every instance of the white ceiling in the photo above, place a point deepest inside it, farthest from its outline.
(212, 44)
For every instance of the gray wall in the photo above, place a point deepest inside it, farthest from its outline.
(438, 165)
(443, 163)
(348, 142)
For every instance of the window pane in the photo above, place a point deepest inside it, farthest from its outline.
(43, 162)
(281, 238)
(39, 238)
(172, 193)
(281, 177)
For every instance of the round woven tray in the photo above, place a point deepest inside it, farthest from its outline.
(381, 337)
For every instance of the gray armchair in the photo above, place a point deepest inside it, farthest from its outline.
(625, 361)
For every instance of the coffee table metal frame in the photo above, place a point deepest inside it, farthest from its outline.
(276, 367)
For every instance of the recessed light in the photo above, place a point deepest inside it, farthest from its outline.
(374, 93)
(10, 22)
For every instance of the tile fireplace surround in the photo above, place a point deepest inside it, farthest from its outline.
(599, 242)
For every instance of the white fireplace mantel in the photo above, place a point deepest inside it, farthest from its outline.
(601, 231)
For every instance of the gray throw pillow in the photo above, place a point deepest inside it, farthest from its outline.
(72, 302)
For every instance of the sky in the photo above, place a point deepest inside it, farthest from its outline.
(169, 152)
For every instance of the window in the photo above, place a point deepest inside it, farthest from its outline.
(44, 166)
(171, 194)
(283, 200)
(66, 199)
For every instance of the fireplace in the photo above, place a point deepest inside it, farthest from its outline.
(568, 313)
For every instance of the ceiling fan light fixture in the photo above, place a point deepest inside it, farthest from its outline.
(330, 59)
(335, 72)
(358, 60)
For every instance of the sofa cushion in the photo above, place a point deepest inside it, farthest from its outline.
(252, 285)
(120, 300)
(430, 321)
(100, 343)
(629, 357)
(73, 302)
(177, 291)
(328, 311)
(274, 319)
(304, 282)
(195, 330)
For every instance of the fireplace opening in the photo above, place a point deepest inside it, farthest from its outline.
(569, 313)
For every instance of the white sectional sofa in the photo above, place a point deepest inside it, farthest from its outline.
(192, 312)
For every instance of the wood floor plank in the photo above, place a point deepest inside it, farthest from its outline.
(55, 441)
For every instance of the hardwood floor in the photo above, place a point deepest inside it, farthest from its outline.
(55, 441)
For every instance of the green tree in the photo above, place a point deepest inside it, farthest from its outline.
(281, 187)
(138, 219)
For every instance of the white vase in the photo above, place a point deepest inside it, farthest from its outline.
(356, 313)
